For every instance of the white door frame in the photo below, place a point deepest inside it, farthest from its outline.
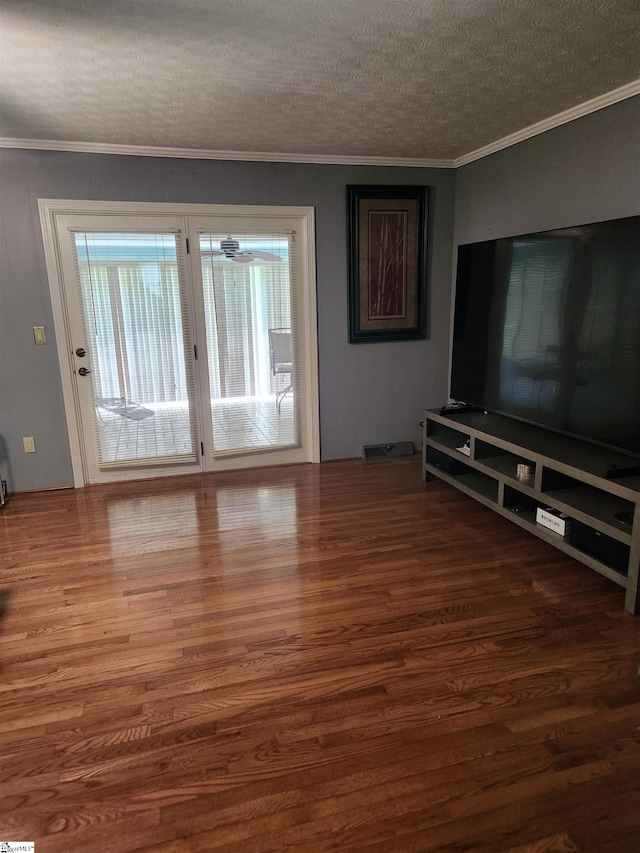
(50, 209)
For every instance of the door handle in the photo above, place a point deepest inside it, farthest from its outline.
(83, 371)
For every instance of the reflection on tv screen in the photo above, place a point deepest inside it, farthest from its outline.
(547, 329)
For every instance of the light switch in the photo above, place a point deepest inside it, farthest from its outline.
(39, 336)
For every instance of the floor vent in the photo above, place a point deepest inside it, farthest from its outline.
(383, 451)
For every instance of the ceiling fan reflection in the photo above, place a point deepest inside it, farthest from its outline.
(230, 248)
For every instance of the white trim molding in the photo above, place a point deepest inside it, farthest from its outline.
(592, 106)
(206, 154)
(629, 90)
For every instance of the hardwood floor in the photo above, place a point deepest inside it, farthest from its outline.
(311, 658)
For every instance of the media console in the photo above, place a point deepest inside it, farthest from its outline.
(514, 468)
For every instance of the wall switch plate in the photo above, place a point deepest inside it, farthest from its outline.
(29, 444)
(39, 336)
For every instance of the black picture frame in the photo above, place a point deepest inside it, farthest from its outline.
(387, 257)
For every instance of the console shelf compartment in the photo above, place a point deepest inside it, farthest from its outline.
(454, 470)
(507, 465)
(448, 441)
(593, 507)
(514, 468)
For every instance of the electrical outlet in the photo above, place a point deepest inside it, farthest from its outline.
(29, 444)
(39, 335)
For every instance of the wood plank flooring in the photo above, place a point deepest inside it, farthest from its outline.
(311, 658)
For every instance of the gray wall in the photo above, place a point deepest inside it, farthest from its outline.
(585, 171)
(369, 393)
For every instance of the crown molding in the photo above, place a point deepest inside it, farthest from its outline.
(592, 106)
(629, 90)
(206, 154)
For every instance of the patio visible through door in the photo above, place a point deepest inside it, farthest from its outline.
(248, 318)
(135, 315)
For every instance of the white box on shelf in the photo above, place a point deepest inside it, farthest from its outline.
(553, 519)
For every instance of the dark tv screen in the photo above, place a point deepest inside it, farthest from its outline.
(547, 330)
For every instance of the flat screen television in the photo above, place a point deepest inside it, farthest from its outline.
(547, 330)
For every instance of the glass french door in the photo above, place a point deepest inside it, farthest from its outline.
(183, 334)
(249, 323)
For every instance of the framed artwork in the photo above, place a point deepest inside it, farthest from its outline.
(387, 245)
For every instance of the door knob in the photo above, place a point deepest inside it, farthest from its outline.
(83, 371)
(81, 352)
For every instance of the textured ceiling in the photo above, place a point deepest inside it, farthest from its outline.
(423, 79)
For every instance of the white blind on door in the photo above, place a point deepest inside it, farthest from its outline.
(135, 313)
(251, 319)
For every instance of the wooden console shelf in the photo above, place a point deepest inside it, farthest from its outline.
(482, 454)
